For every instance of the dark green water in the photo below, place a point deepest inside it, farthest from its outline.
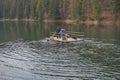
(10, 31)
(26, 55)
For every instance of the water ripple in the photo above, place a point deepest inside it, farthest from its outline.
(40, 60)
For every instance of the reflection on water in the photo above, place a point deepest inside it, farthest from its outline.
(27, 31)
(10, 31)
(26, 55)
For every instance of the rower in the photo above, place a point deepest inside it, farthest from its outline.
(58, 32)
(62, 33)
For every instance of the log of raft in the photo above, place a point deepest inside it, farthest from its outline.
(69, 37)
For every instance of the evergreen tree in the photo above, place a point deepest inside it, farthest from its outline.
(116, 9)
(39, 10)
(55, 9)
(94, 9)
(117, 6)
(12, 9)
(1, 9)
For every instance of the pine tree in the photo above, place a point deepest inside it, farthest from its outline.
(94, 9)
(39, 10)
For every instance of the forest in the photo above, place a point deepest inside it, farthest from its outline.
(60, 9)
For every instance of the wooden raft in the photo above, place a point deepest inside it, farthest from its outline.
(69, 37)
(65, 40)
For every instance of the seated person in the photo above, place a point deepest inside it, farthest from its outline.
(58, 32)
(62, 33)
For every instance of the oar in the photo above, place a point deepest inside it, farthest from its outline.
(53, 35)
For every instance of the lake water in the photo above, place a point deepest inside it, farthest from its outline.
(26, 55)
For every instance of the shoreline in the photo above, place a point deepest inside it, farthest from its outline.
(27, 20)
(67, 21)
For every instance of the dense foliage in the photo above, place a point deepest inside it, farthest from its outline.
(56, 9)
